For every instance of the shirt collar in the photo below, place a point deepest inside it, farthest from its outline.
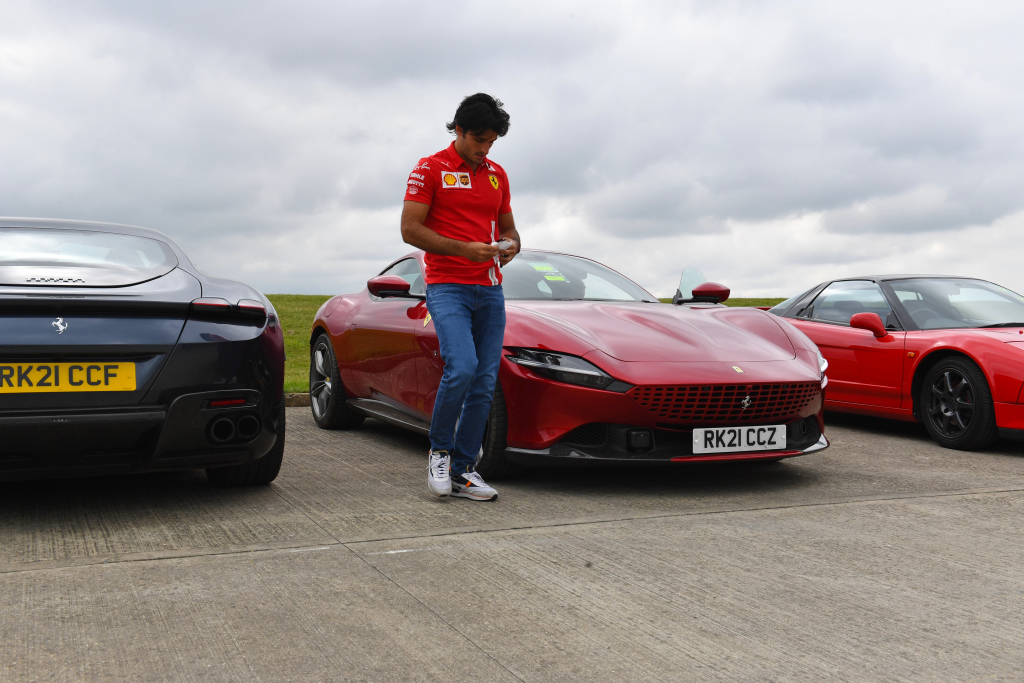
(459, 161)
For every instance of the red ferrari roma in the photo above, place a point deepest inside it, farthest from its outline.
(595, 369)
(945, 351)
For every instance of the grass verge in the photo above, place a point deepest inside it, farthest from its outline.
(771, 301)
(296, 312)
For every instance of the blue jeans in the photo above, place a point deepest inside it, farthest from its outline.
(470, 324)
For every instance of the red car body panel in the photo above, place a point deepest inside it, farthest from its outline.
(881, 376)
(387, 350)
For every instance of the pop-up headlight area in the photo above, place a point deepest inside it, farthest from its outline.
(563, 367)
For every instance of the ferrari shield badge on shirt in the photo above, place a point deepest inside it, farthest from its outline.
(495, 183)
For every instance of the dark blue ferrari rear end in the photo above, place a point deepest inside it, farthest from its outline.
(117, 355)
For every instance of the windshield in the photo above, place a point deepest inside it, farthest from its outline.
(557, 277)
(43, 256)
(945, 303)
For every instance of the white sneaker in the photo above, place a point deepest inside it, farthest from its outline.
(471, 485)
(439, 469)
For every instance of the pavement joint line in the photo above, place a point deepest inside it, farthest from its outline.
(431, 610)
(187, 553)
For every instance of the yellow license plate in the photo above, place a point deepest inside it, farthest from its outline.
(33, 378)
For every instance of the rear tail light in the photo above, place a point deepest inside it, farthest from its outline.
(211, 305)
(250, 307)
(214, 307)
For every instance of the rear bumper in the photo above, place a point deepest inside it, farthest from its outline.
(136, 439)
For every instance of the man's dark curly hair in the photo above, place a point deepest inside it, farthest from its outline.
(480, 113)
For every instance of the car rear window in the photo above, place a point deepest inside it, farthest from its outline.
(45, 256)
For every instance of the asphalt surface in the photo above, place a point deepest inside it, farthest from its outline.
(885, 558)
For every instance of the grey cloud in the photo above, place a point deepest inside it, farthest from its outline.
(246, 127)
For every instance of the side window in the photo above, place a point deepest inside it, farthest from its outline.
(409, 270)
(840, 300)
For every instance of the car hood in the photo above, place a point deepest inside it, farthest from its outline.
(663, 332)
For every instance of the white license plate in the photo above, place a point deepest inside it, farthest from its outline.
(739, 439)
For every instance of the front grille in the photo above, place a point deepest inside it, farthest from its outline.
(723, 403)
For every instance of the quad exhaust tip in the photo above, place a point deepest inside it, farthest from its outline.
(222, 430)
(248, 427)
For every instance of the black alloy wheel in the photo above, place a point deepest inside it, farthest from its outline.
(492, 462)
(956, 405)
(326, 393)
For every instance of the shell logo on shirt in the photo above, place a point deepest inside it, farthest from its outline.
(449, 179)
(495, 183)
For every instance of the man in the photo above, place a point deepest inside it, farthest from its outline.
(456, 208)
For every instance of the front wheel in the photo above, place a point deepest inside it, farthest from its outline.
(956, 405)
(326, 394)
(493, 463)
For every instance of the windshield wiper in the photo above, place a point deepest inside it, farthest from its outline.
(981, 327)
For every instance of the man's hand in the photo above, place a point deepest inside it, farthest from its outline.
(508, 254)
(478, 251)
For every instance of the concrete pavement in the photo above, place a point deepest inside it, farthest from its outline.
(884, 558)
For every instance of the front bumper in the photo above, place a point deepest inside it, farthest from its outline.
(543, 413)
(137, 438)
(597, 444)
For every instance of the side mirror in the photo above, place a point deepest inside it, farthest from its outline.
(870, 322)
(388, 285)
(704, 293)
(711, 290)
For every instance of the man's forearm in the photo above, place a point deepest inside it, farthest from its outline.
(510, 234)
(422, 237)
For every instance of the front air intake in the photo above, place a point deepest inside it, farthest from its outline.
(725, 403)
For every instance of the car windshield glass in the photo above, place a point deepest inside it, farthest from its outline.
(536, 275)
(946, 303)
(83, 249)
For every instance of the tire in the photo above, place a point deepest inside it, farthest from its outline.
(956, 405)
(492, 463)
(257, 473)
(326, 393)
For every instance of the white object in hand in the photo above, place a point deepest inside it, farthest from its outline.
(504, 244)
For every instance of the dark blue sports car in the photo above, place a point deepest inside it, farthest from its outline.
(118, 355)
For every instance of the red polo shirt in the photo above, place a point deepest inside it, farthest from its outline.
(464, 206)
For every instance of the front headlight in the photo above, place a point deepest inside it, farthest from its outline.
(823, 366)
(562, 367)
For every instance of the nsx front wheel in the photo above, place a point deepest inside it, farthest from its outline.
(492, 463)
(956, 405)
(326, 394)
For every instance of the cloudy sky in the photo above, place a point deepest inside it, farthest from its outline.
(773, 144)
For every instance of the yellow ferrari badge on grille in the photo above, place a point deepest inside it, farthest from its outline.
(737, 368)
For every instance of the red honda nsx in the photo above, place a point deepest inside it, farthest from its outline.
(945, 351)
(595, 369)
